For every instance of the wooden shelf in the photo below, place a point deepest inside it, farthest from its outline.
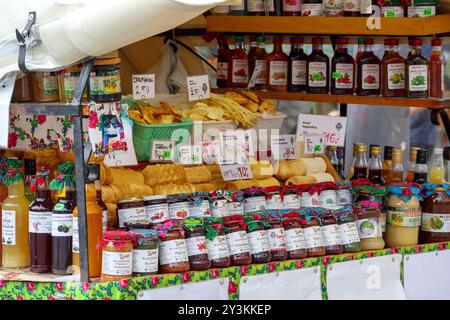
(330, 25)
(371, 100)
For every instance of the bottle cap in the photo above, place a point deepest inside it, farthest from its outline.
(260, 39)
(438, 151)
(391, 42)
(30, 167)
(342, 41)
(277, 40)
(331, 147)
(388, 152)
(361, 148)
(368, 41)
(413, 154)
(252, 38)
(239, 38)
(447, 153)
(421, 156)
(375, 149)
(298, 40)
(360, 41)
(415, 42)
(436, 42)
(317, 40)
(92, 172)
(397, 155)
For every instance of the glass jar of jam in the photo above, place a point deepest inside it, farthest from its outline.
(23, 91)
(130, 211)
(178, 206)
(235, 204)
(254, 200)
(435, 214)
(369, 228)
(217, 244)
(328, 199)
(331, 233)
(291, 199)
(257, 239)
(375, 194)
(117, 255)
(196, 244)
(156, 208)
(237, 240)
(104, 81)
(173, 256)
(310, 199)
(145, 252)
(295, 238)
(344, 195)
(45, 86)
(219, 204)
(313, 235)
(273, 198)
(348, 230)
(277, 238)
(199, 205)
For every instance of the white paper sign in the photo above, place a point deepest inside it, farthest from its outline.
(302, 284)
(426, 275)
(190, 155)
(333, 128)
(162, 150)
(376, 278)
(198, 87)
(235, 146)
(314, 144)
(211, 151)
(143, 86)
(241, 171)
(283, 147)
(6, 90)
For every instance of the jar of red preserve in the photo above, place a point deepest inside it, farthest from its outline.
(173, 256)
(295, 238)
(257, 238)
(277, 238)
(217, 244)
(237, 240)
(196, 244)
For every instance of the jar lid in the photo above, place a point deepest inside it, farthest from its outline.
(118, 235)
(368, 41)
(158, 197)
(138, 225)
(342, 40)
(129, 200)
(415, 42)
(436, 42)
(177, 197)
(317, 40)
(391, 42)
(144, 234)
(108, 61)
(405, 192)
(297, 40)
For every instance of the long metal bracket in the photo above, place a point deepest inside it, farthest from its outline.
(21, 38)
(434, 117)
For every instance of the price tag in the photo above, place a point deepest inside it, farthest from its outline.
(143, 86)
(162, 151)
(211, 151)
(190, 155)
(314, 144)
(198, 87)
(235, 146)
(236, 171)
(333, 128)
(283, 147)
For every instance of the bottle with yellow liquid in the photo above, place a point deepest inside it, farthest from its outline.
(94, 225)
(15, 249)
(436, 173)
(397, 166)
(411, 165)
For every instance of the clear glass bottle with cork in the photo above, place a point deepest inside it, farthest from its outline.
(411, 164)
(376, 167)
(397, 165)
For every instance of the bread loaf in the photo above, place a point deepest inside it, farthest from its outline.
(300, 180)
(240, 184)
(168, 189)
(108, 194)
(289, 168)
(134, 190)
(197, 174)
(120, 177)
(270, 182)
(261, 170)
(314, 165)
(322, 177)
(164, 174)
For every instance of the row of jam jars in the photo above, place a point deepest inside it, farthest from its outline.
(216, 240)
(435, 213)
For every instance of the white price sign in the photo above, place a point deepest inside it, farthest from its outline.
(189, 155)
(162, 151)
(143, 86)
(211, 151)
(198, 87)
(283, 147)
(333, 128)
(236, 171)
(236, 145)
(314, 144)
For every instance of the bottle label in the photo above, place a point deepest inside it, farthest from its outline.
(298, 72)
(62, 225)
(75, 236)
(274, 203)
(235, 208)
(145, 261)
(344, 197)
(222, 9)
(117, 263)
(333, 7)
(349, 233)
(309, 200)
(317, 74)
(173, 251)
(392, 12)
(261, 65)
(179, 210)
(396, 76)
(327, 199)
(107, 84)
(331, 235)
(219, 208)
(270, 5)
(237, 242)
(218, 248)
(254, 204)
(436, 49)
(313, 237)
(368, 228)
(343, 76)
(255, 6)
(70, 83)
(278, 73)
(240, 71)
(157, 212)
(9, 227)
(196, 245)
(370, 76)
(201, 210)
(421, 11)
(291, 202)
(295, 239)
(366, 6)
(404, 217)
(40, 222)
(277, 239)
(432, 222)
(352, 5)
(418, 77)
(222, 70)
(50, 83)
(258, 242)
(131, 215)
(104, 220)
(312, 9)
(291, 5)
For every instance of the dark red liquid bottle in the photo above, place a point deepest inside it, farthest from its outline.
(342, 69)
(368, 71)
(318, 68)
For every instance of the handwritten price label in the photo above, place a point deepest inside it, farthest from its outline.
(236, 171)
(314, 144)
(332, 128)
(143, 86)
(198, 87)
(283, 147)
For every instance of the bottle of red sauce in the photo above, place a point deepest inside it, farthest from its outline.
(222, 64)
(368, 71)
(277, 66)
(238, 65)
(318, 68)
(436, 69)
(342, 69)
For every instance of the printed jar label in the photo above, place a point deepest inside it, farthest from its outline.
(313, 237)
(291, 201)
(317, 74)
(278, 73)
(222, 70)
(418, 78)
(299, 72)
(366, 6)
(421, 11)
(370, 76)
(344, 197)
(392, 12)
(239, 71)
(9, 227)
(179, 210)
(145, 261)
(196, 245)
(404, 217)
(277, 238)
(117, 263)
(343, 76)
(172, 251)
(50, 83)
(70, 83)
(331, 235)
(62, 225)
(218, 248)
(311, 9)
(255, 5)
(219, 208)
(40, 222)
(333, 7)
(75, 236)
(352, 5)
(105, 84)
(396, 76)
(201, 210)
(432, 222)
(258, 242)
(235, 208)
(274, 203)
(368, 228)
(349, 233)
(131, 215)
(310, 200)
(157, 212)
(254, 204)
(291, 5)
(261, 65)
(237, 242)
(327, 199)
(295, 239)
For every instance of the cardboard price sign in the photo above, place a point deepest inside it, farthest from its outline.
(190, 155)
(198, 87)
(162, 151)
(143, 86)
(236, 171)
(284, 147)
(333, 128)
(314, 144)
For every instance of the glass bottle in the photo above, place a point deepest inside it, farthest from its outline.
(3, 191)
(102, 204)
(292, 7)
(257, 63)
(447, 162)
(376, 167)
(30, 174)
(15, 248)
(397, 165)
(387, 164)
(252, 46)
(238, 65)
(312, 8)
(416, 72)
(352, 167)
(360, 168)
(297, 66)
(332, 156)
(318, 68)
(222, 64)
(340, 166)
(421, 168)
(436, 70)
(94, 224)
(392, 70)
(436, 167)
(411, 164)
(40, 222)
(342, 69)
(351, 8)
(368, 71)
(255, 7)
(366, 8)
(277, 66)
(239, 10)
(62, 219)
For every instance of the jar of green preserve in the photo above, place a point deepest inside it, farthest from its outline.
(145, 252)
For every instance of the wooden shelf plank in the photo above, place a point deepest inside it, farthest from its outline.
(370, 100)
(330, 25)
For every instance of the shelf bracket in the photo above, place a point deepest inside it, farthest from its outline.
(22, 39)
(434, 117)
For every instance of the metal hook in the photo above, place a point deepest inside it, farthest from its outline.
(21, 39)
